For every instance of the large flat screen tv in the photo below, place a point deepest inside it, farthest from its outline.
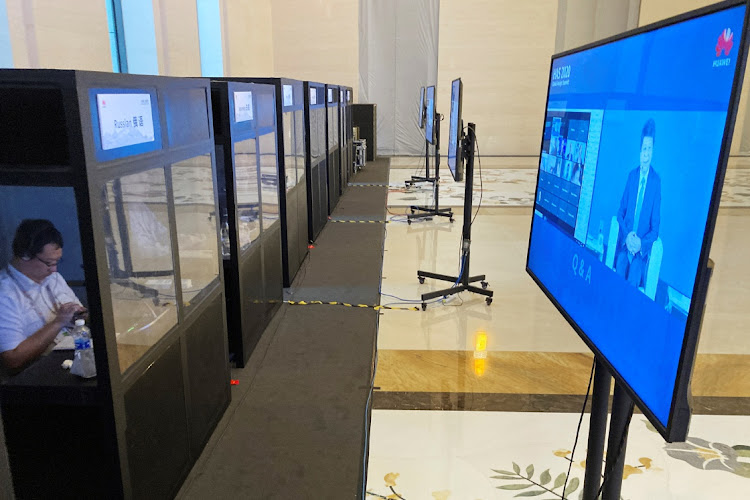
(429, 126)
(634, 149)
(455, 157)
(421, 107)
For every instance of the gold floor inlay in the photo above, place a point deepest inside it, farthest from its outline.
(719, 375)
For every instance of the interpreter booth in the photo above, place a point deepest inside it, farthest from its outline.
(244, 118)
(124, 166)
(334, 146)
(346, 133)
(316, 162)
(290, 144)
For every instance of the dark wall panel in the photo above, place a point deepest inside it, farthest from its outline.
(157, 431)
(208, 369)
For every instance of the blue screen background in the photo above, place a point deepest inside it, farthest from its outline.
(674, 76)
(453, 132)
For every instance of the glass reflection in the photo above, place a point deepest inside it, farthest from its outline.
(333, 133)
(299, 143)
(139, 258)
(269, 184)
(192, 182)
(290, 159)
(247, 191)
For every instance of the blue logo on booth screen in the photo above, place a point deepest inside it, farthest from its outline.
(632, 138)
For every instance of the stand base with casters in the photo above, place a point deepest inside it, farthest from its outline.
(463, 287)
(436, 211)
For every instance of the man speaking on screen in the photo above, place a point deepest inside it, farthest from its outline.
(639, 213)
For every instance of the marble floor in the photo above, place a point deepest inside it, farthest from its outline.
(476, 402)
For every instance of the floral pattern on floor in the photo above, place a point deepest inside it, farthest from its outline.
(423, 454)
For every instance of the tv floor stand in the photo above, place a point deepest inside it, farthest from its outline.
(435, 211)
(461, 283)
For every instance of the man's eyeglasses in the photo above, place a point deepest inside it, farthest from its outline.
(50, 264)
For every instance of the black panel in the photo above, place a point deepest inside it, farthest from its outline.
(364, 116)
(208, 369)
(252, 307)
(272, 274)
(292, 235)
(187, 106)
(39, 436)
(33, 128)
(334, 179)
(157, 431)
(302, 226)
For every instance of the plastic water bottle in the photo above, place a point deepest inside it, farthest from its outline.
(83, 358)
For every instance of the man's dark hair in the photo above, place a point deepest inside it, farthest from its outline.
(649, 130)
(32, 235)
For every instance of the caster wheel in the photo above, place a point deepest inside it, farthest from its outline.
(412, 210)
(424, 306)
(421, 280)
(484, 285)
(452, 219)
(408, 221)
(489, 300)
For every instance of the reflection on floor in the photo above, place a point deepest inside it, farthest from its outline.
(522, 370)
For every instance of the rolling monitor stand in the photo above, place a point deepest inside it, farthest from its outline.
(416, 178)
(430, 212)
(462, 282)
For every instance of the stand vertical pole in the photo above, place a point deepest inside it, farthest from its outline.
(471, 137)
(622, 409)
(597, 431)
(427, 158)
(436, 183)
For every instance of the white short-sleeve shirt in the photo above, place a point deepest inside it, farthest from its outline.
(26, 306)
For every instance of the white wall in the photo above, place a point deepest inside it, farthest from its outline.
(501, 49)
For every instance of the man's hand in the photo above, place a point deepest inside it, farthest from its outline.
(65, 313)
(636, 243)
(629, 242)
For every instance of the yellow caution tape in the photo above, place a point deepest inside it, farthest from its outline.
(335, 303)
(362, 221)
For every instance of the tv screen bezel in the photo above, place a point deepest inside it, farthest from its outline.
(431, 137)
(457, 171)
(422, 106)
(679, 414)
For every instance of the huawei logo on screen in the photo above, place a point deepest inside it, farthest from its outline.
(726, 40)
(724, 45)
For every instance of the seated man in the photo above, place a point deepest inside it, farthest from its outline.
(35, 301)
(639, 214)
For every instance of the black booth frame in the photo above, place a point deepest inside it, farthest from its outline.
(253, 277)
(333, 150)
(159, 413)
(680, 412)
(293, 201)
(316, 169)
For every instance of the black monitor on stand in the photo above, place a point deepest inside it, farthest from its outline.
(432, 135)
(464, 148)
(426, 116)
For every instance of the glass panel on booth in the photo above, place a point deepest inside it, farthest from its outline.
(269, 184)
(140, 261)
(290, 160)
(193, 186)
(299, 143)
(247, 191)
